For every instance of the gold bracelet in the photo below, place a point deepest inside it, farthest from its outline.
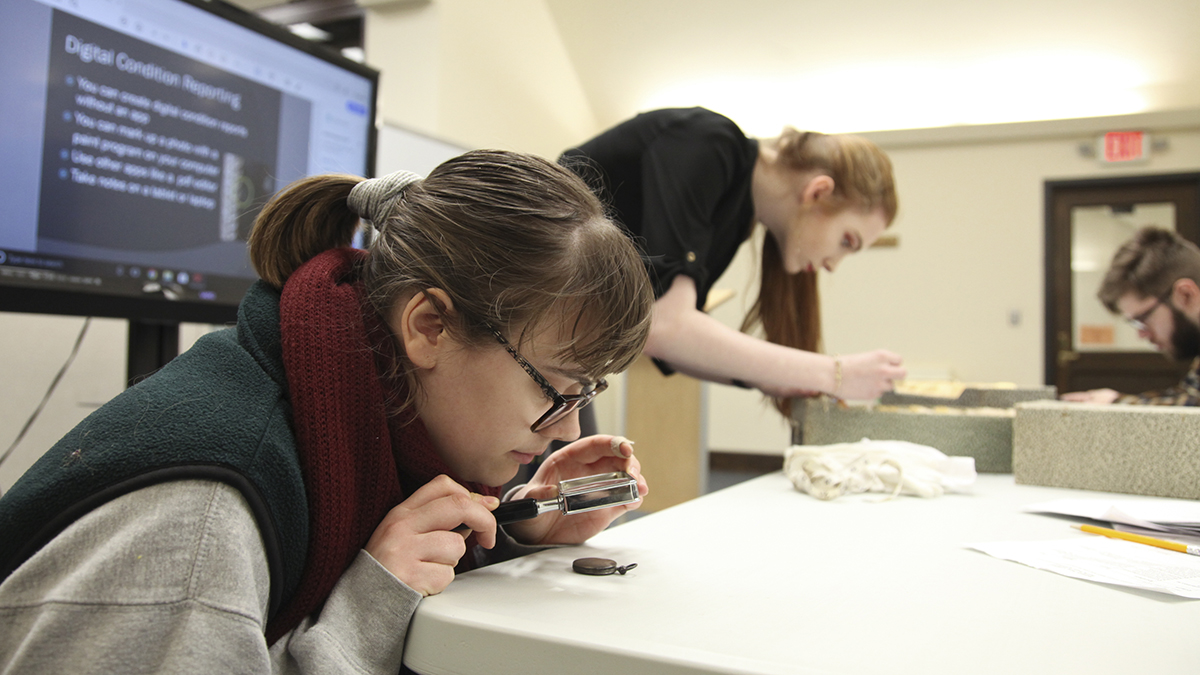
(837, 374)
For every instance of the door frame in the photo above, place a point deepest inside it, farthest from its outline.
(1057, 240)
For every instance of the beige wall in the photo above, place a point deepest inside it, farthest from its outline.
(480, 74)
(33, 347)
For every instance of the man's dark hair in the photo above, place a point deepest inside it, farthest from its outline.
(1148, 264)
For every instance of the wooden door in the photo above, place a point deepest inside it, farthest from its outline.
(1086, 220)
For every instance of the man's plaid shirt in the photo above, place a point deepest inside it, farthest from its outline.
(1187, 392)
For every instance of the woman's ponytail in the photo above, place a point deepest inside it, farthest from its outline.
(307, 218)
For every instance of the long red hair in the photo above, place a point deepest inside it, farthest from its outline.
(788, 306)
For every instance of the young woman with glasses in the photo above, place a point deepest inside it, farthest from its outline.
(689, 187)
(281, 496)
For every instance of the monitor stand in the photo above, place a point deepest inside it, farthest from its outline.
(151, 345)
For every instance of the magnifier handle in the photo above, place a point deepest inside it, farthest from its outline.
(515, 510)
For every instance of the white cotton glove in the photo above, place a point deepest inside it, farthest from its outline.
(897, 467)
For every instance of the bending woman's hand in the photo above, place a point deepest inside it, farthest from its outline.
(416, 542)
(869, 374)
(1092, 396)
(585, 457)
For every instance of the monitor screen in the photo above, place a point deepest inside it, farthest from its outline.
(139, 139)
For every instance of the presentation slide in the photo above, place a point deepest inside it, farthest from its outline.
(132, 128)
(142, 137)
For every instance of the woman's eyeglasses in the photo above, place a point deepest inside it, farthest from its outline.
(563, 404)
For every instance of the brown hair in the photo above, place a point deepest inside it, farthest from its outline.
(1149, 264)
(788, 307)
(515, 241)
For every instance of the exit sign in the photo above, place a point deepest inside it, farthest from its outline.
(1124, 146)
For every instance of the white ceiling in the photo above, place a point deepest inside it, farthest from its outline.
(856, 65)
(859, 65)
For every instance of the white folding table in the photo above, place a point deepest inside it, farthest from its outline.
(761, 578)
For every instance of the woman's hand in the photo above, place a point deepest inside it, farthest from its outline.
(416, 542)
(585, 457)
(1092, 396)
(863, 377)
(867, 375)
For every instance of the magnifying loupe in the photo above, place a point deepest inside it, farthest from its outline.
(576, 495)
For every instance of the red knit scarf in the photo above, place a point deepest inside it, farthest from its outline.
(358, 461)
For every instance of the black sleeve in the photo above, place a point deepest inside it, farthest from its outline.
(686, 172)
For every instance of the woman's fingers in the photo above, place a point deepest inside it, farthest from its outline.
(867, 375)
(459, 514)
(438, 487)
(585, 457)
(416, 540)
(592, 449)
(588, 456)
(442, 504)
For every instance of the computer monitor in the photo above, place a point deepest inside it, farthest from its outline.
(139, 139)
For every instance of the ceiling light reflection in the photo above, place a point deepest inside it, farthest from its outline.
(1010, 88)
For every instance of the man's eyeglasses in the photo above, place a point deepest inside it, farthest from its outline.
(563, 404)
(1139, 322)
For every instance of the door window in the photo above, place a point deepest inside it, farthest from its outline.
(1097, 231)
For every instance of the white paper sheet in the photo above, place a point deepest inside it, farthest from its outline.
(1157, 514)
(1109, 561)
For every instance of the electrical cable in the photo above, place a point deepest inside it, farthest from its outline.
(53, 385)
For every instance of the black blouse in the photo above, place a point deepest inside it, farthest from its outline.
(678, 180)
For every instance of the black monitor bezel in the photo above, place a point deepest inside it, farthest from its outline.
(58, 301)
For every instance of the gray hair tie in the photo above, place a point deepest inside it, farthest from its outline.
(375, 198)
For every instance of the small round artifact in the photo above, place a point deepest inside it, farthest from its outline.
(600, 566)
